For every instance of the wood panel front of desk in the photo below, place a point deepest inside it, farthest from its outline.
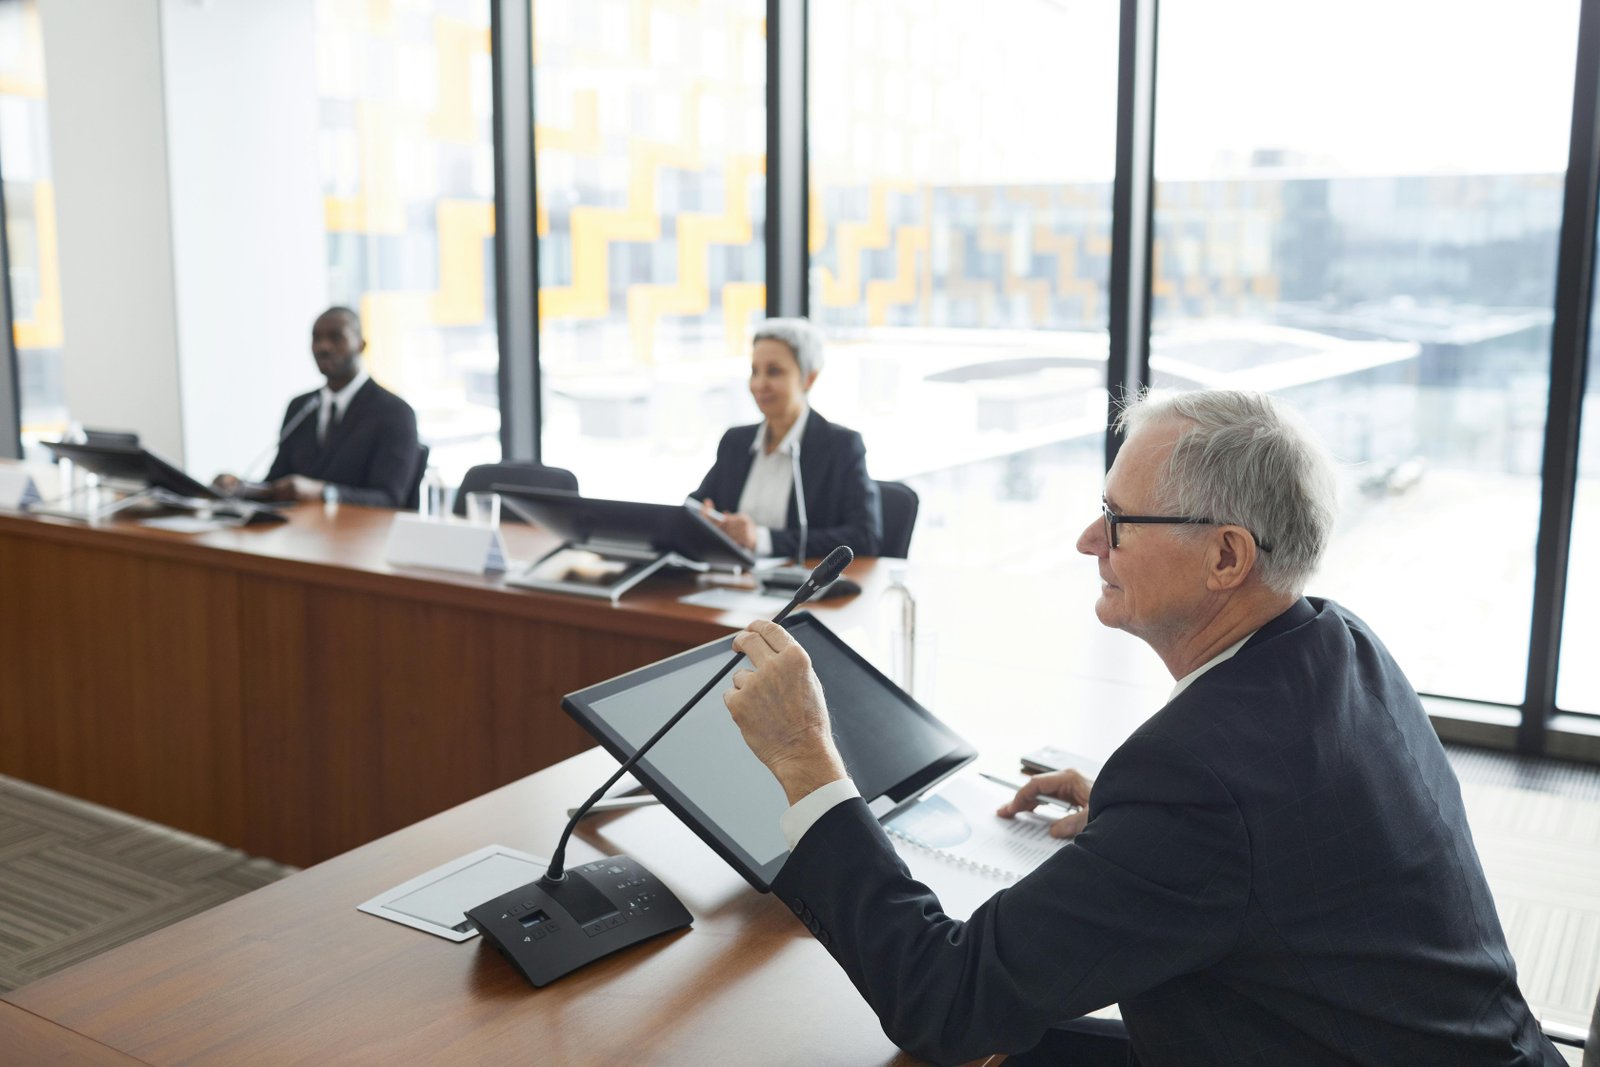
(284, 691)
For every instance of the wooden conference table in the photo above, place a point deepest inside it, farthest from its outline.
(292, 973)
(283, 690)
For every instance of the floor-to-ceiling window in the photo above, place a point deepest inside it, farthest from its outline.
(1578, 681)
(31, 222)
(650, 161)
(961, 158)
(1358, 211)
(408, 179)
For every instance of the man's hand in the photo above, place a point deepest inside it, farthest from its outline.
(1065, 785)
(778, 707)
(296, 487)
(226, 484)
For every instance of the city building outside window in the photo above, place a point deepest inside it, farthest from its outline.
(36, 326)
(1352, 216)
(408, 177)
(650, 160)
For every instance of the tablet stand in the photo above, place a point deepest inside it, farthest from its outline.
(99, 503)
(597, 568)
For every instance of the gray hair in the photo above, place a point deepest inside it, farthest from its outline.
(1245, 458)
(801, 337)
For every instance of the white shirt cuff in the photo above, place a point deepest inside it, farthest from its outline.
(814, 805)
(763, 541)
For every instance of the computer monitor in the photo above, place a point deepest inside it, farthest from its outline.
(703, 771)
(132, 463)
(631, 524)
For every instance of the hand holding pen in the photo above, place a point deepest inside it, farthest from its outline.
(1062, 790)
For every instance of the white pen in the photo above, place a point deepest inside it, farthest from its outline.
(1054, 802)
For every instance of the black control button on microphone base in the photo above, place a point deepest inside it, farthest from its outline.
(547, 931)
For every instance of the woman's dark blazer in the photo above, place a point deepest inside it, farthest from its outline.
(842, 505)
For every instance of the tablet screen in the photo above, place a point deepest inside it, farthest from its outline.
(703, 771)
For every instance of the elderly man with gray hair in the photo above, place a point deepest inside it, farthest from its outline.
(794, 484)
(1275, 868)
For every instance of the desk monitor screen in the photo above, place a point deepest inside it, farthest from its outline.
(633, 523)
(703, 771)
(131, 463)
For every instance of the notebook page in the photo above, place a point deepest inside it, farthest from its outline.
(954, 842)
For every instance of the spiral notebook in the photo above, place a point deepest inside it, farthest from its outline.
(954, 843)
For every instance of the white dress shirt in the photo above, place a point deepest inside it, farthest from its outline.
(340, 400)
(804, 813)
(770, 483)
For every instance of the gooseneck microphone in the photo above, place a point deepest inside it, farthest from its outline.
(566, 919)
(790, 577)
(823, 576)
(313, 402)
(799, 505)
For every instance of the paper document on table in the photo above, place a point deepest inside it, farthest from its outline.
(190, 523)
(738, 601)
(954, 842)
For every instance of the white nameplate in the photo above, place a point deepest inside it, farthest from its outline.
(17, 490)
(451, 546)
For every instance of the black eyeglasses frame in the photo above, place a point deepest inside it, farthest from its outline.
(1113, 520)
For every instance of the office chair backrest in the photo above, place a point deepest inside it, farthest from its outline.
(414, 494)
(900, 506)
(523, 473)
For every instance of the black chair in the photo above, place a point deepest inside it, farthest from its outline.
(1591, 1050)
(414, 494)
(524, 473)
(1574, 1037)
(900, 505)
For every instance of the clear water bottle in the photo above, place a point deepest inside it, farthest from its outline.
(898, 610)
(71, 478)
(431, 500)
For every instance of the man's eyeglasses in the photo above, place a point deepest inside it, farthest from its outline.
(1113, 520)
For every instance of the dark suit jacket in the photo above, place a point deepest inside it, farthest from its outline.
(371, 455)
(1276, 870)
(842, 506)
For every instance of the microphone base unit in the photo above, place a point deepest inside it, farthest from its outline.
(785, 578)
(548, 930)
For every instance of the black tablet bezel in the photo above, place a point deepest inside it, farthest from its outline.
(580, 704)
(134, 463)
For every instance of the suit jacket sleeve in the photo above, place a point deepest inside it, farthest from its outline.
(718, 484)
(843, 508)
(1155, 887)
(394, 461)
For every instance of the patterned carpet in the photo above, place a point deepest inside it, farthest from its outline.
(77, 879)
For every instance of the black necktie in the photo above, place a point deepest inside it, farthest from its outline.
(333, 420)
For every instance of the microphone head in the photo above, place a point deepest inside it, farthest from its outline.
(830, 568)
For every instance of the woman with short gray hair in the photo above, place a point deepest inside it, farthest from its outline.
(793, 484)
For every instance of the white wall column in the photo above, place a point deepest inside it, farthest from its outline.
(184, 142)
(108, 150)
(247, 218)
